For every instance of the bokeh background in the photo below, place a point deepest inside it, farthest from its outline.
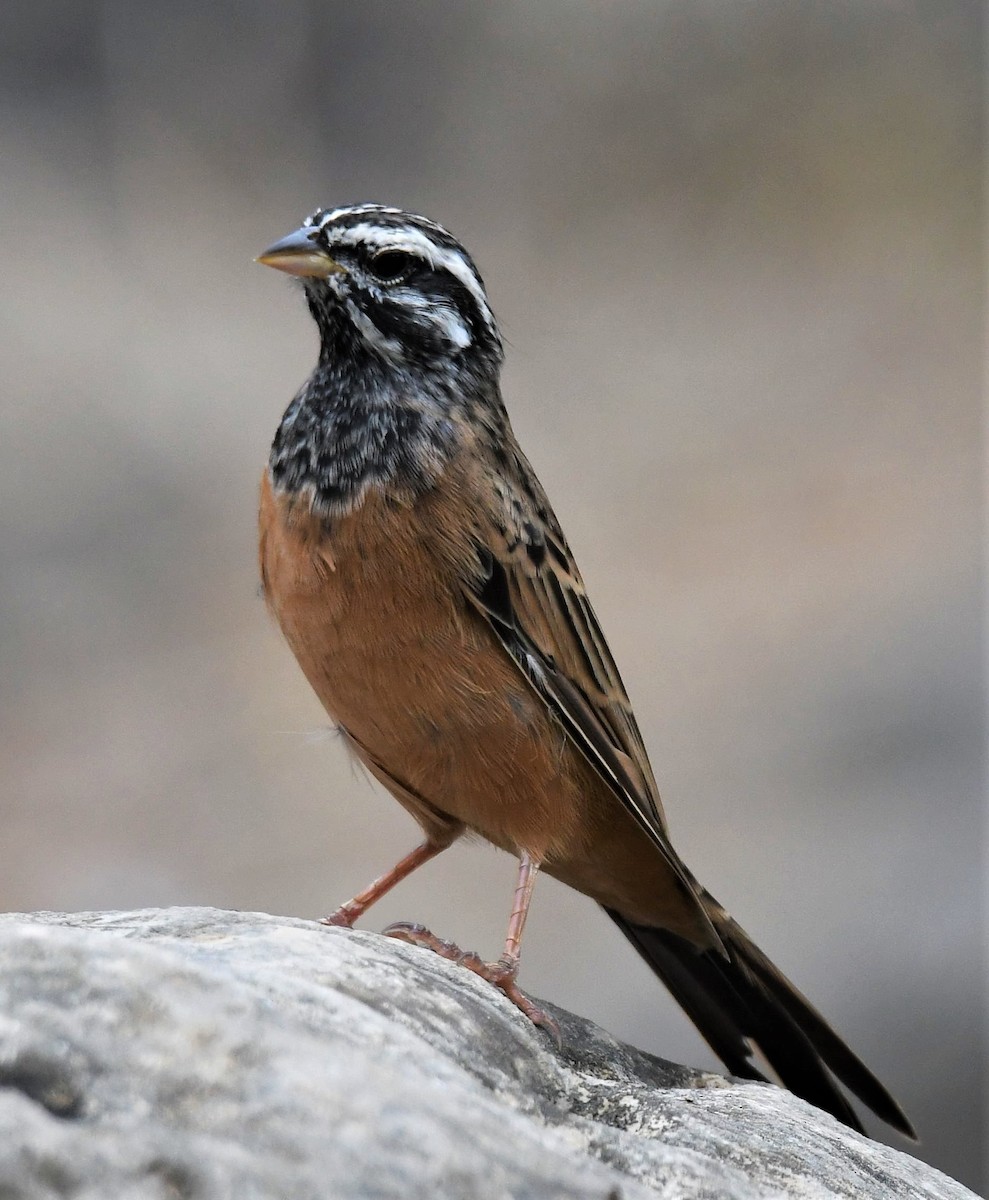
(737, 252)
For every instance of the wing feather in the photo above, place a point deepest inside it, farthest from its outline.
(531, 593)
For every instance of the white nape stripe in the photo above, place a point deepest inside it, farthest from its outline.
(413, 241)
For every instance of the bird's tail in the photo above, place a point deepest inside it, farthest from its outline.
(740, 1001)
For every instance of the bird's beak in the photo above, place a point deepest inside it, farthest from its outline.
(300, 254)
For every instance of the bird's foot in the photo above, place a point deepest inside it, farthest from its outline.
(344, 917)
(502, 974)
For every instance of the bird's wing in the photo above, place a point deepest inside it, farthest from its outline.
(531, 594)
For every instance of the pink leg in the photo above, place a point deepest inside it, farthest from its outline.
(348, 913)
(504, 972)
(528, 869)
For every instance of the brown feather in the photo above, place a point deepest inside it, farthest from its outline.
(399, 655)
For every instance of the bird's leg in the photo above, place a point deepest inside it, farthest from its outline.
(503, 973)
(348, 913)
(524, 886)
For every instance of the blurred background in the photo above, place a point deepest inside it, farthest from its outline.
(736, 249)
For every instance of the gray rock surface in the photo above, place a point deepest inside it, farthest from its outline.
(193, 1054)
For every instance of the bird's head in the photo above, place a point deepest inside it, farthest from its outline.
(393, 290)
(409, 357)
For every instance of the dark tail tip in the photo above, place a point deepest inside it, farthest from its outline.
(742, 1001)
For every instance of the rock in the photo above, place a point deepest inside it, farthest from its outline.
(192, 1054)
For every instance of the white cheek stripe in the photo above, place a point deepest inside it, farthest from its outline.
(452, 328)
(442, 316)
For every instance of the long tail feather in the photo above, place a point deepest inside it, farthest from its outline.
(743, 1001)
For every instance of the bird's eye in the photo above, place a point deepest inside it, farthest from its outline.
(391, 265)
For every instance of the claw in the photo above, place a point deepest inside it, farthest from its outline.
(338, 920)
(501, 974)
(343, 918)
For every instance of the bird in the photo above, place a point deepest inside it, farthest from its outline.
(420, 576)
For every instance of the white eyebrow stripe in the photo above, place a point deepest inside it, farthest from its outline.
(415, 241)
